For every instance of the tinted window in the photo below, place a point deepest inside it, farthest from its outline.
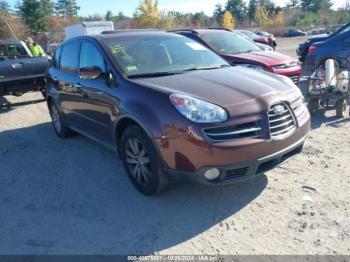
(13, 50)
(230, 43)
(91, 57)
(69, 56)
(56, 57)
(3, 51)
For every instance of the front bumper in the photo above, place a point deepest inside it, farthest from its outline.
(239, 172)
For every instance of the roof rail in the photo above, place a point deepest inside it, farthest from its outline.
(193, 31)
(129, 31)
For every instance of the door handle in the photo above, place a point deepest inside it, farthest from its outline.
(100, 93)
(17, 65)
(77, 85)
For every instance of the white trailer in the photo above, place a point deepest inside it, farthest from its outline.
(88, 28)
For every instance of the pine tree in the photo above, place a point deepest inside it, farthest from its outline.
(237, 8)
(253, 5)
(109, 16)
(4, 7)
(316, 5)
(47, 7)
(31, 13)
(218, 13)
(228, 21)
(67, 8)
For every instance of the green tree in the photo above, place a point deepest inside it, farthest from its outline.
(31, 13)
(47, 7)
(316, 5)
(4, 7)
(67, 8)
(147, 14)
(218, 13)
(109, 16)
(293, 4)
(252, 6)
(237, 8)
(120, 17)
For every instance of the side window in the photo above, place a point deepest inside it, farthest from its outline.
(347, 40)
(56, 57)
(3, 52)
(69, 57)
(91, 57)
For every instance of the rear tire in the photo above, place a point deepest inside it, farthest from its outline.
(142, 161)
(61, 130)
(341, 106)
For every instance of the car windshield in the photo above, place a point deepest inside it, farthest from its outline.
(230, 43)
(251, 35)
(343, 29)
(157, 55)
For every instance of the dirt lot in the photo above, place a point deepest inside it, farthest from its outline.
(73, 197)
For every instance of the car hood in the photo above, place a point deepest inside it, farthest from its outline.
(266, 58)
(242, 91)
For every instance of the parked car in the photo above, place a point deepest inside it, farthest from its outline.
(174, 109)
(271, 37)
(237, 50)
(266, 40)
(19, 71)
(262, 46)
(336, 47)
(303, 48)
(295, 32)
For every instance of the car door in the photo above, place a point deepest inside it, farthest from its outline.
(10, 67)
(99, 103)
(67, 79)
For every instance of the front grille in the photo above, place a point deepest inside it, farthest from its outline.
(243, 131)
(235, 173)
(299, 108)
(281, 120)
(295, 79)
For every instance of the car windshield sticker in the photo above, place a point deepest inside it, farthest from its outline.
(117, 49)
(131, 68)
(196, 46)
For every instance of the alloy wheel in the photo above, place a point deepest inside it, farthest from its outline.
(56, 118)
(138, 161)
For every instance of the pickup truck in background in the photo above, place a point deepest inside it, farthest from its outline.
(19, 71)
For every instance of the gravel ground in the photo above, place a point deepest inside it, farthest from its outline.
(73, 197)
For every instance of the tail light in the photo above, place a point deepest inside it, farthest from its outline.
(312, 48)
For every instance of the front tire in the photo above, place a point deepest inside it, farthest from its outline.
(142, 161)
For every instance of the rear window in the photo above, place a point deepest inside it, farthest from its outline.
(69, 56)
(12, 51)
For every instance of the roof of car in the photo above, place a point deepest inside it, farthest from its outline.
(199, 31)
(10, 41)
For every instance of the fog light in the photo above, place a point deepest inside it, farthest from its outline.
(212, 174)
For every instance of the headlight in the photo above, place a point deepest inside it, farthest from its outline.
(197, 110)
(256, 67)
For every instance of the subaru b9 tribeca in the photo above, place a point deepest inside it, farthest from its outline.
(173, 109)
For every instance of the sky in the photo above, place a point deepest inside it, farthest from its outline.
(90, 7)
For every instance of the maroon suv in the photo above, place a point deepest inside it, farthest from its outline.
(174, 109)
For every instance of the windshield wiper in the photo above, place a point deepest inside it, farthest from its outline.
(156, 74)
(206, 67)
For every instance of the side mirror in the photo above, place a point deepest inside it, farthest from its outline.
(90, 72)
